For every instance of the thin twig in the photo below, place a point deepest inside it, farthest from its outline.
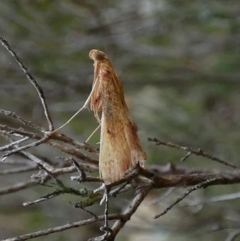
(44, 198)
(18, 132)
(33, 82)
(63, 227)
(73, 152)
(164, 195)
(82, 174)
(21, 148)
(17, 142)
(233, 235)
(19, 118)
(18, 170)
(221, 198)
(186, 157)
(70, 141)
(38, 161)
(14, 162)
(17, 187)
(6, 130)
(141, 193)
(196, 187)
(120, 189)
(198, 152)
(77, 205)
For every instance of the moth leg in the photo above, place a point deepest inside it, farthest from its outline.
(99, 189)
(106, 229)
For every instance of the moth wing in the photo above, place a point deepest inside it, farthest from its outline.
(120, 148)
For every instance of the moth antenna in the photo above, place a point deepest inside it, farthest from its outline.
(83, 107)
(92, 133)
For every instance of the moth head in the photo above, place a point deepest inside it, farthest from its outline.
(97, 55)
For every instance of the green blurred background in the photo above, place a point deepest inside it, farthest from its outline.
(179, 63)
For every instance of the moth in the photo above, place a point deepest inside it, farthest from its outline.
(120, 147)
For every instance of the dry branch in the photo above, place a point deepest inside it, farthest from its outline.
(139, 179)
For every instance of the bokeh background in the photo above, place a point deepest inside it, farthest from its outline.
(180, 65)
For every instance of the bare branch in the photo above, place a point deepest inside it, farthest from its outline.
(221, 198)
(82, 174)
(77, 205)
(198, 152)
(164, 195)
(21, 148)
(17, 117)
(17, 187)
(141, 193)
(17, 142)
(6, 130)
(68, 140)
(18, 132)
(63, 227)
(198, 186)
(18, 170)
(33, 82)
(186, 156)
(233, 235)
(183, 180)
(73, 152)
(38, 161)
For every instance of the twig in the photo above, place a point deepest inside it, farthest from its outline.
(17, 142)
(44, 198)
(33, 82)
(6, 130)
(120, 189)
(233, 235)
(33, 144)
(68, 140)
(220, 198)
(82, 174)
(77, 205)
(198, 152)
(183, 180)
(141, 193)
(196, 187)
(73, 152)
(18, 132)
(186, 156)
(129, 175)
(16, 162)
(17, 187)
(38, 161)
(22, 133)
(63, 189)
(63, 227)
(18, 170)
(17, 117)
(164, 195)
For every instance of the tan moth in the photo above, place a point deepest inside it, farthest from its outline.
(120, 147)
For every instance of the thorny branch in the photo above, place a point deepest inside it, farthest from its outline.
(138, 179)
